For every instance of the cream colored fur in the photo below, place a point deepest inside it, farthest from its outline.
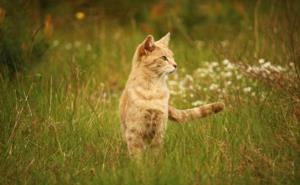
(144, 108)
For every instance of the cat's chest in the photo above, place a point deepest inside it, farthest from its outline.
(155, 97)
(154, 93)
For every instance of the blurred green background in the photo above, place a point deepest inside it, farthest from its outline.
(26, 25)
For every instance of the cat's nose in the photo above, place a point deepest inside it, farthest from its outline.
(175, 66)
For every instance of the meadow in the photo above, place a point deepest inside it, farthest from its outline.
(59, 120)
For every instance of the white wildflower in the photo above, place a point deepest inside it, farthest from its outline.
(213, 87)
(230, 66)
(266, 65)
(255, 69)
(224, 91)
(228, 83)
(198, 103)
(261, 61)
(203, 75)
(280, 68)
(214, 64)
(228, 74)
(189, 77)
(249, 69)
(247, 89)
(225, 62)
(239, 76)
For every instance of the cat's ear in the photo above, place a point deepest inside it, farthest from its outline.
(165, 39)
(147, 46)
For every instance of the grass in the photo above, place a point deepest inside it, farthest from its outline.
(60, 125)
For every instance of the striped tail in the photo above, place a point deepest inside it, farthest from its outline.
(185, 115)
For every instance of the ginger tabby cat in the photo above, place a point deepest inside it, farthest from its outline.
(144, 108)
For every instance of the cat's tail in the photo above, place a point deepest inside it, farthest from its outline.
(182, 116)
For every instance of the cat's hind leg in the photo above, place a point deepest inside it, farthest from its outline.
(156, 144)
(135, 142)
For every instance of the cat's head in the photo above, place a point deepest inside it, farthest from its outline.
(155, 56)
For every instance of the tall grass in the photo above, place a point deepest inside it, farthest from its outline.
(59, 122)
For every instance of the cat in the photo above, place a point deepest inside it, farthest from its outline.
(144, 108)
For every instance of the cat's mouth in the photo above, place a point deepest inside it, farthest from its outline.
(173, 71)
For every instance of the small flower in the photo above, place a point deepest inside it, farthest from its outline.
(239, 77)
(225, 62)
(214, 64)
(230, 66)
(213, 87)
(198, 103)
(202, 75)
(261, 61)
(228, 74)
(247, 89)
(228, 83)
(189, 77)
(266, 65)
(280, 68)
(80, 15)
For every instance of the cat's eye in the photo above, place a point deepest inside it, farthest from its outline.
(164, 58)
